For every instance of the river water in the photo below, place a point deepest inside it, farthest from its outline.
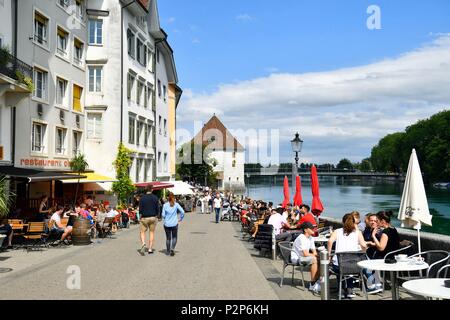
(339, 197)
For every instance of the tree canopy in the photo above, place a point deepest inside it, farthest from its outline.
(430, 138)
(195, 166)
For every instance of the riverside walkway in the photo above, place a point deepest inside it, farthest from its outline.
(211, 262)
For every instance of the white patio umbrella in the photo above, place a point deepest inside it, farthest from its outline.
(414, 205)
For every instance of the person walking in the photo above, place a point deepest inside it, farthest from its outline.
(149, 209)
(217, 205)
(170, 215)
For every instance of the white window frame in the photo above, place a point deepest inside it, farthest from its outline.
(75, 58)
(63, 6)
(132, 131)
(139, 90)
(96, 30)
(166, 162)
(130, 88)
(44, 90)
(64, 100)
(65, 54)
(44, 125)
(131, 49)
(96, 69)
(159, 162)
(63, 147)
(151, 58)
(80, 13)
(75, 143)
(95, 135)
(46, 30)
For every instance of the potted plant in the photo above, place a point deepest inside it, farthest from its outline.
(6, 197)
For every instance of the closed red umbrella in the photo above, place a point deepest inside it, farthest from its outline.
(316, 206)
(298, 192)
(286, 192)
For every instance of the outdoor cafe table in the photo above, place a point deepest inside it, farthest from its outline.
(320, 239)
(393, 268)
(431, 288)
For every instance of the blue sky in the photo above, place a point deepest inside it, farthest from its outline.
(224, 46)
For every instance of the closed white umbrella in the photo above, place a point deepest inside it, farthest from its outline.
(414, 205)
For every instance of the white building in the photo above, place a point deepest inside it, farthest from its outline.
(166, 75)
(50, 123)
(95, 67)
(12, 90)
(119, 102)
(134, 113)
(228, 153)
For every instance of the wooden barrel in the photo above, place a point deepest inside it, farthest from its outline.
(81, 232)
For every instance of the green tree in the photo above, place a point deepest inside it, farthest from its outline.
(123, 187)
(365, 165)
(195, 163)
(344, 164)
(386, 155)
(78, 165)
(6, 197)
(430, 138)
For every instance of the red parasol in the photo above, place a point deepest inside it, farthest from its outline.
(298, 192)
(316, 207)
(286, 192)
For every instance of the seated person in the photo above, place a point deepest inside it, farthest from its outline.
(390, 240)
(304, 252)
(279, 223)
(58, 228)
(350, 239)
(7, 230)
(371, 224)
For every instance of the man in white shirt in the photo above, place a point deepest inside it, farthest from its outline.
(304, 253)
(110, 212)
(280, 223)
(217, 205)
(57, 227)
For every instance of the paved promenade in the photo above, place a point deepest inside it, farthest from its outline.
(210, 263)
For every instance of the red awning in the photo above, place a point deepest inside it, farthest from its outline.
(157, 185)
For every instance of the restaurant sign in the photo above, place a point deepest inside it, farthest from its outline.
(45, 163)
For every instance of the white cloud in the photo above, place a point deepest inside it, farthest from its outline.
(245, 17)
(195, 41)
(339, 113)
(171, 20)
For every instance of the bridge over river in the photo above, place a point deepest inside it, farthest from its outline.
(270, 172)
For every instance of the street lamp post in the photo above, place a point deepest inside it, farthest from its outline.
(248, 184)
(296, 144)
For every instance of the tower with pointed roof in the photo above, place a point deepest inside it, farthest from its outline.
(228, 153)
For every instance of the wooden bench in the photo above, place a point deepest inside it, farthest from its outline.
(17, 226)
(36, 233)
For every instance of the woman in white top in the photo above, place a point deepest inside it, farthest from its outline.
(348, 239)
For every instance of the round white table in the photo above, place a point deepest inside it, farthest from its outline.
(393, 268)
(431, 288)
(320, 239)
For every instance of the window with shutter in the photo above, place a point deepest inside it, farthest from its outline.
(77, 92)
